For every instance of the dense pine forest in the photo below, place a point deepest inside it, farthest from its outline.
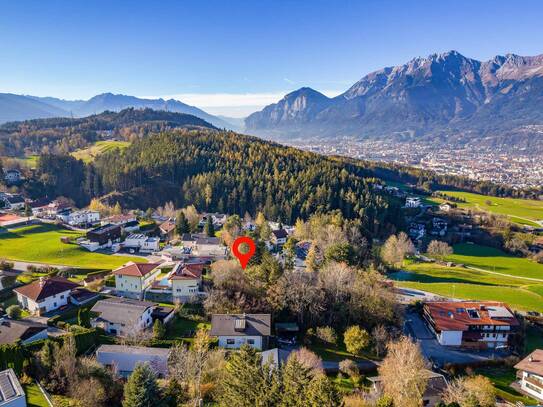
(225, 172)
(64, 134)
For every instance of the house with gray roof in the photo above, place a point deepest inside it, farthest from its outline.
(23, 330)
(11, 392)
(234, 330)
(124, 359)
(122, 316)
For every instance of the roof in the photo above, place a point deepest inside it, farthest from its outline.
(187, 272)
(82, 294)
(13, 199)
(459, 315)
(280, 233)
(533, 363)
(275, 356)
(11, 330)
(135, 269)
(246, 324)
(133, 350)
(10, 388)
(436, 383)
(167, 227)
(46, 287)
(120, 218)
(121, 310)
(187, 237)
(104, 229)
(207, 240)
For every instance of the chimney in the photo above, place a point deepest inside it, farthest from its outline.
(42, 281)
(531, 359)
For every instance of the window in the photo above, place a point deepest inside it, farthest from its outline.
(251, 341)
(230, 341)
(62, 297)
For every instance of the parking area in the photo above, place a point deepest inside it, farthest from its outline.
(439, 355)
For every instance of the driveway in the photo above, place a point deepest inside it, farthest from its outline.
(439, 355)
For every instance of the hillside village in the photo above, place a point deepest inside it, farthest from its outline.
(312, 301)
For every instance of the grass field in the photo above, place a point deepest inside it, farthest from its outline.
(41, 243)
(459, 282)
(523, 211)
(100, 147)
(501, 377)
(34, 396)
(495, 260)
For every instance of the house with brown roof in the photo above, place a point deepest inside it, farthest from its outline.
(234, 330)
(167, 230)
(530, 372)
(471, 324)
(186, 281)
(132, 279)
(46, 294)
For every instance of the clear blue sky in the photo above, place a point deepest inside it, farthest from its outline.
(260, 49)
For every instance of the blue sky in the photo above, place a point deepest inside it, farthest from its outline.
(232, 57)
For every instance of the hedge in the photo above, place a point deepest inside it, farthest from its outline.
(12, 356)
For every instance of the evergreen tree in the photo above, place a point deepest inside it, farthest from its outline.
(141, 389)
(322, 392)
(182, 224)
(296, 379)
(209, 229)
(246, 383)
(158, 329)
(83, 317)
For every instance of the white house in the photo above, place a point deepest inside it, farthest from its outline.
(445, 207)
(45, 294)
(132, 279)
(11, 392)
(13, 201)
(127, 222)
(209, 246)
(186, 281)
(530, 371)
(142, 242)
(471, 324)
(124, 359)
(234, 330)
(82, 218)
(122, 316)
(412, 202)
(279, 237)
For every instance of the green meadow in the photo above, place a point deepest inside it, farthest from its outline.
(522, 211)
(100, 147)
(41, 243)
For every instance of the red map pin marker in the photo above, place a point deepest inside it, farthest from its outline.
(243, 257)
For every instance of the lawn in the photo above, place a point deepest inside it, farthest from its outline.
(534, 339)
(184, 327)
(492, 259)
(522, 211)
(100, 147)
(501, 377)
(41, 243)
(34, 396)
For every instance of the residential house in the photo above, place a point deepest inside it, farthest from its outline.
(142, 243)
(439, 227)
(209, 246)
(11, 391)
(432, 394)
(471, 324)
(101, 237)
(234, 330)
(23, 330)
(124, 359)
(81, 218)
(413, 202)
(275, 358)
(45, 294)
(167, 230)
(218, 219)
(132, 279)
(445, 207)
(13, 202)
(52, 209)
(186, 281)
(12, 176)
(279, 237)
(127, 222)
(122, 316)
(530, 372)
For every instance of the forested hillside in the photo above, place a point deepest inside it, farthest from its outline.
(225, 172)
(63, 134)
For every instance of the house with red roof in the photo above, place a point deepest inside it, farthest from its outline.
(471, 324)
(186, 281)
(50, 293)
(132, 279)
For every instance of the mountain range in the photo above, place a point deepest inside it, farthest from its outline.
(21, 107)
(443, 96)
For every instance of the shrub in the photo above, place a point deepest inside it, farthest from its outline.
(326, 334)
(14, 311)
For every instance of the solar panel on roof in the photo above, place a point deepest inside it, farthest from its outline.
(6, 387)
